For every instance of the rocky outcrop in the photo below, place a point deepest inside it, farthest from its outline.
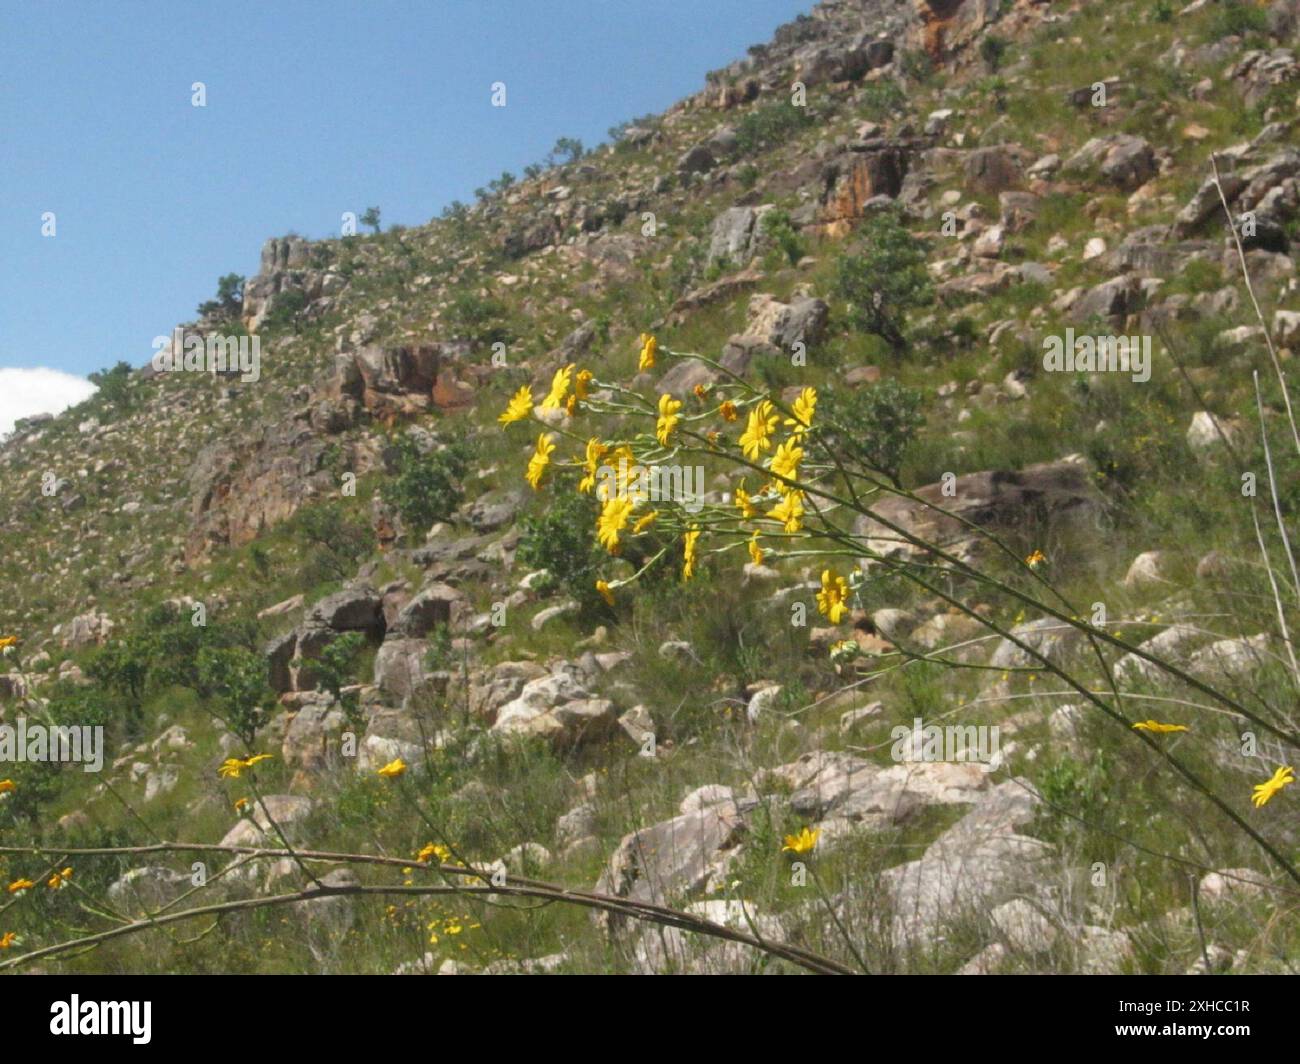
(289, 264)
(1037, 502)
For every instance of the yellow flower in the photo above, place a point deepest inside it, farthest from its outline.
(1265, 791)
(757, 436)
(521, 405)
(1036, 559)
(559, 388)
(8, 940)
(432, 850)
(789, 511)
(624, 466)
(744, 503)
(612, 520)
(785, 463)
(241, 804)
(644, 522)
(801, 843)
(595, 452)
(7, 785)
(688, 553)
(603, 587)
(649, 345)
(728, 411)
(803, 408)
(20, 885)
(59, 880)
(540, 460)
(582, 382)
(668, 407)
(232, 767)
(755, 551)
(1158, 728)
(831, 599)
(700, 391)
(393, 769)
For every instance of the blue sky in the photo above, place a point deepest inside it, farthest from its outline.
(312, 109)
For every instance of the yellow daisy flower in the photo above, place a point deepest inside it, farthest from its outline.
(757, 437)
(832, 598)
(689, 553)
(613, 519)
(649, 345)
(803, 409)
(789, 511)
(520, 406)
(668, 418)
(801, 843)
(559, 388)
(1264, 792)
(785, 463)
(540, 460)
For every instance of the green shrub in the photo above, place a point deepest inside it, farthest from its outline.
(116, 391)
(427, 488)
(884, 279)
(236, 679)
(285, 309)
(1238, 18)
(770, 124)
(560, 541)
(778, 227)
(335, 540)
(480, 319)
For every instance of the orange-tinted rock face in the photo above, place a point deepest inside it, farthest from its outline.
(949, 24)
(861, 176)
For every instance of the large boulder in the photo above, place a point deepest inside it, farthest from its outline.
(736, 235)
(354, 609)
(558, 707)
(389, 380)
(1123, 160)
(1038, 501)
(665, 861)
(974, 866)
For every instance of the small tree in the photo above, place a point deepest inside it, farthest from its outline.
(237, 679)
(884, 279)
(229, 301)
(371, 218)
(560, 542)
(114, 387)
(566, 150)
(427, 487)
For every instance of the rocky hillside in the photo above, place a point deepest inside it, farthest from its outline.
(880, 220)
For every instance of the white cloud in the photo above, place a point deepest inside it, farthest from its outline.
(24, 392)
